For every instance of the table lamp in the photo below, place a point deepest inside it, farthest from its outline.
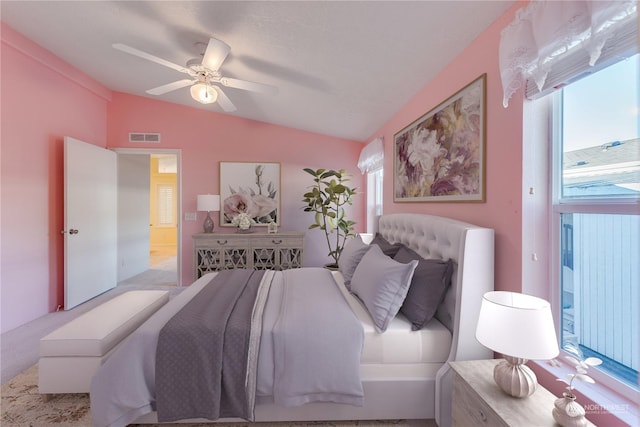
(208, 203)
(520, 327)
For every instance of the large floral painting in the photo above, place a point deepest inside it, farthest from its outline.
(251, 188)
(440, 156)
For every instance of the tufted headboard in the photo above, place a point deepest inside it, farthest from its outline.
(472, 250)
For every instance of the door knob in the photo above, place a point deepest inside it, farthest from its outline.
(71, 231)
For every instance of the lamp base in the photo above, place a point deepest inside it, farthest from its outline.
(208, 224)
(514, 377)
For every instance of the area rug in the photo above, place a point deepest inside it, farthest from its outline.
(22, 406)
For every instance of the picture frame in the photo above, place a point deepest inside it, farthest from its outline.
(440, 157)
(272, 228)
(250, 187)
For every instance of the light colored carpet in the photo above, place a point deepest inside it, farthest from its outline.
(160, 253)
(22, 406)
(163, 273)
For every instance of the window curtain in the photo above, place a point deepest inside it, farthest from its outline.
(372, 156)
(551, 43)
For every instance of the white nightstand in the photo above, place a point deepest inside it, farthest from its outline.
(477, 400)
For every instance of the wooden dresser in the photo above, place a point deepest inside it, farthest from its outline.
(478, 401)
(259, 250)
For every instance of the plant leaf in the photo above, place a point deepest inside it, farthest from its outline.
(593, 361)
(585, 378)
(573, 360)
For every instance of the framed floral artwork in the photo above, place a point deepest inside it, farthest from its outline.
(251, 188)
(440, 157)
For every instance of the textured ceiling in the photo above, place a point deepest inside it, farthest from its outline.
(343, 68)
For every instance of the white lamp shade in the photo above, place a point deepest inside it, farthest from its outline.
(517, 325)
(208, 203)
(203, 93)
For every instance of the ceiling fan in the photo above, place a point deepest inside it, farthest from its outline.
(205, 75)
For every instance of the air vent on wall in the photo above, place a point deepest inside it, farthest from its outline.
(150, 138)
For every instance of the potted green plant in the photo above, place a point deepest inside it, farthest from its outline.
(327, 198)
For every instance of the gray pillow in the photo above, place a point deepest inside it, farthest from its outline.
(387, 248)
(382, 284)
(351, 255)
(429, 285)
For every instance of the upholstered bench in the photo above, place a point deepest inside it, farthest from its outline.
(70, 355)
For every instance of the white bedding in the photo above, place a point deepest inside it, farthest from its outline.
(398, 382)
(421, 352)
(399, 344)
(410, 352)
(124, 387)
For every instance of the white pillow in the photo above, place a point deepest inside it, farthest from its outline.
(351, 255)
(382, 284)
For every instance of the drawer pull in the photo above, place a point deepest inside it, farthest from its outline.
(276, 242)
(483, 417)
(222, 242)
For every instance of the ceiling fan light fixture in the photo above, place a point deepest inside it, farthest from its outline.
(204, 93)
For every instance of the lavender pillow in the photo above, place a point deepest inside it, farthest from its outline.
(387, 248)
(429, 285)
(381, 284)
(350, 257)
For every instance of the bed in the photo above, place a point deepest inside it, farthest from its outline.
(403, 369)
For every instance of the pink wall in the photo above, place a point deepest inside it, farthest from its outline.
(206, 138)
(69, 103)
(43, 100)
(502, 209)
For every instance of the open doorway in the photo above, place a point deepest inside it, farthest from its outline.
(163, 213)
(149, 249)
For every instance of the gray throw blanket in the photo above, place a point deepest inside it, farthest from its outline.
(202, 353)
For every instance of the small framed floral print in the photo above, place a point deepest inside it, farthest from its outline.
(440, 157)
(251, 188)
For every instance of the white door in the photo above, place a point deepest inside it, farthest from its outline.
(90, 216)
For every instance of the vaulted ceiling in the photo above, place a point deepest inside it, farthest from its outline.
(342, 68)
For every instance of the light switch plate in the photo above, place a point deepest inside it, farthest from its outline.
(189, 216)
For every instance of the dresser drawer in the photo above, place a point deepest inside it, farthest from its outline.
(257, 250)
(221, 241)
(468, 409)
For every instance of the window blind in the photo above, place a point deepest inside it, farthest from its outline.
(576, 65)
(552, 43)
(165, 205)
(372, 156)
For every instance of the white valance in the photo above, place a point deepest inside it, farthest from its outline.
(546, 33)
(372, 156)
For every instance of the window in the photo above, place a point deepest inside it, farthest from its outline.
(371, 162)
(165, 205)
(374, 198)
(596, 217)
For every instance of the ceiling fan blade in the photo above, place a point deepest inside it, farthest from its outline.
(149, 57)
(215, 54)
(247, 85)
(160, 90)
(224, 101)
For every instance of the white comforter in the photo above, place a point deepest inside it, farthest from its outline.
(302, 358)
